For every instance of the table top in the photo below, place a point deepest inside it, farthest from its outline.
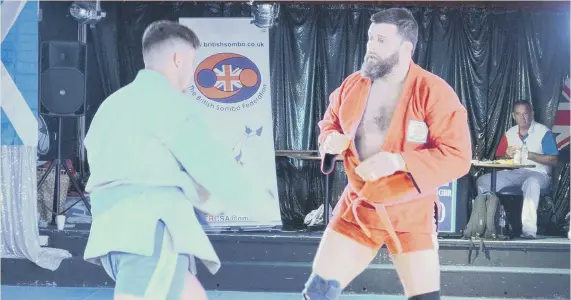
(500, 165)
(296, 152)
(314, 155)
(302, 154)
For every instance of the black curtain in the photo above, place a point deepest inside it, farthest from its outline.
(491, 57)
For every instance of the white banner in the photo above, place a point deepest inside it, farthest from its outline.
(232, 84)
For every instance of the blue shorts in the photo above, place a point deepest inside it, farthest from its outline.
(160, 276)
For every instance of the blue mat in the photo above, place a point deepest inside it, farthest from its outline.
(72, 293)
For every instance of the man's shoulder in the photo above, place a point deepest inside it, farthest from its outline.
(541, 127)
(353, 79)
(144, 98)
(357, 75)
(513, 129)
(537, 127)
(349, 83)
(125, 92)
(434, 90)
(431, 83)
(109, 105)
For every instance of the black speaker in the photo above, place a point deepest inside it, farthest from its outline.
(63, 68)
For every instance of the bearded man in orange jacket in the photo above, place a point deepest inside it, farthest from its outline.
(402, 132)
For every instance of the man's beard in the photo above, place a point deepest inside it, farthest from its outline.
(374, 67)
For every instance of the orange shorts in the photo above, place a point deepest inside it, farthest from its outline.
(410, 241)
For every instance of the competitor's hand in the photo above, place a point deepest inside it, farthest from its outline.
(335, 143)
(380, 165)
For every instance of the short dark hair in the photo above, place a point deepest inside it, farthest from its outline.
(403, 19)
(161, 31)
(523, 102)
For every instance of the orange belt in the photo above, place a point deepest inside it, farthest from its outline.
(381, 210)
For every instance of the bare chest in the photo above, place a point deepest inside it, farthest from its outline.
(376, 120)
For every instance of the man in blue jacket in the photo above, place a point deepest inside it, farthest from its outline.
(153, 161)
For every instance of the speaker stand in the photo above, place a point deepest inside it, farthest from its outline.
(58, 163)
(81, 125)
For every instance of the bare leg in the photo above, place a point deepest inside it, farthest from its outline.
(163, 276)
(419, 271)
(193, 290)
(340, 258)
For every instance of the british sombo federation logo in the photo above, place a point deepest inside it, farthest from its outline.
(227, 78)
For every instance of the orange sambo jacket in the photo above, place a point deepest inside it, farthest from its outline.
(407, 198)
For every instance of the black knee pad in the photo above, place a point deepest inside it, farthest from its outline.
(428, 296)
(317, 288)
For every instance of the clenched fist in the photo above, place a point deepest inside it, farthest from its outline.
(380, 165)
(335, 143)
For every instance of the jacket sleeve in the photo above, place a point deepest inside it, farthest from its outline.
(212, 166)
(502, 147)
(329, 123)
(447, 156)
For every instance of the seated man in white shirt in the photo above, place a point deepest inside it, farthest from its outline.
(542, 152)
(152, 162)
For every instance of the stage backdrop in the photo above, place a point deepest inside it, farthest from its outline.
(232, 86)
(491, 56)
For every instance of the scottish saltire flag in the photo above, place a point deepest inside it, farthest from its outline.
(18, 135)
(562, 121)
(19, 73)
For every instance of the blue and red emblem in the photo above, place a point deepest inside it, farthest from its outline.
(227, 78)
